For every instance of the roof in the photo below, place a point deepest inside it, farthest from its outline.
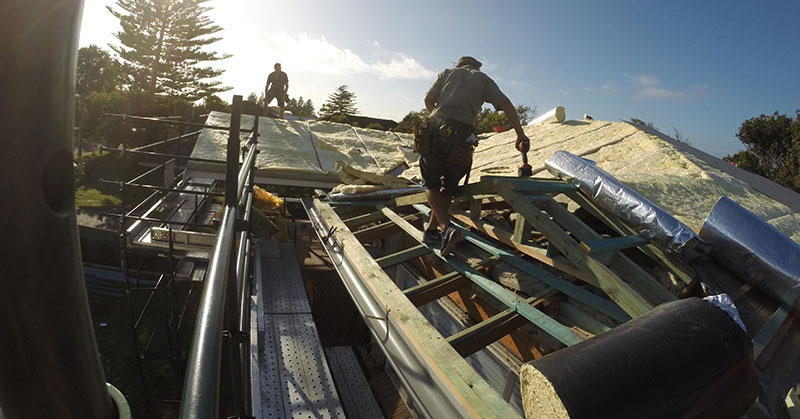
(306, 149)
(682, 180)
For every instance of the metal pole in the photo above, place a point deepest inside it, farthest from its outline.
(49, 362)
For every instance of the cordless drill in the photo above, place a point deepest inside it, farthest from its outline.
(525, 170)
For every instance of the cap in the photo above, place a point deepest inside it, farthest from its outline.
(467, 60)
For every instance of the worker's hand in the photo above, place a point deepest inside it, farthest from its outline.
(523, 143)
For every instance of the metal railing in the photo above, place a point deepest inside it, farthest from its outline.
(219, 316)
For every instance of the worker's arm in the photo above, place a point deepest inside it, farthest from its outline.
(523, 143)
(430, 102)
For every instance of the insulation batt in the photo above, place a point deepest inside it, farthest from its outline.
(681, 184)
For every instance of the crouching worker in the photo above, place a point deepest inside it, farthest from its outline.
(447, 143)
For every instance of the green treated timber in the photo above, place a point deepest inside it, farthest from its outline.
(582, 319)
(478, 398)
(614, 244)
(592, 300)
(621, 228)
(360, 220)
(527, 185)
(622, 293)
(402, 256)
(550, 326)
(443, 285)
(381, 230)
(478, 336)
(768, 331)
(620, 264)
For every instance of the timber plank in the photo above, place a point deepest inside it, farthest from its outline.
(443, 285)
(402, 256)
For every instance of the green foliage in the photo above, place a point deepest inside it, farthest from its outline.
(374, 125)
(340, 103)
(163, 44)
(90, 197)
(412, 120)
(487, 119)
(772, 148)
(96, 71)
(213, 103)
(299, 107)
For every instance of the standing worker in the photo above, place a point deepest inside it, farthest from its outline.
(446, 145)
(277, 88)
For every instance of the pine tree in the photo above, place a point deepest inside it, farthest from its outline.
(340, 103)
(162, 45)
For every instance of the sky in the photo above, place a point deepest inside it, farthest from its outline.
(701, 68)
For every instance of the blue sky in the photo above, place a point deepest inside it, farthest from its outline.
(699, 67)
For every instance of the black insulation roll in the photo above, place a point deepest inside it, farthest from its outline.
(687, 358)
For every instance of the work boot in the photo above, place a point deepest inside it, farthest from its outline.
(450, 237)
(432, 236)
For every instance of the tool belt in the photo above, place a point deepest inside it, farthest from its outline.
(445, 139)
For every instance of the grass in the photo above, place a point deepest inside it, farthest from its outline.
(91, 198)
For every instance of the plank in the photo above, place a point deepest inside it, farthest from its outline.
(443, 285)
(359, 220)
(537, 185)
(614, 244)
(770, 331)
(379, 231)
(622, 293)
(552, 327)
(351, 383)
(402, 256)
(480, 335)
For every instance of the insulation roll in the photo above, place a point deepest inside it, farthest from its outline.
(557, 114)
(686, 358)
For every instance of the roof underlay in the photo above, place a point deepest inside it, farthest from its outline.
(683, 184)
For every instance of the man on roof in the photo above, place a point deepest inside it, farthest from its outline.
(277, 88)
(446, 146)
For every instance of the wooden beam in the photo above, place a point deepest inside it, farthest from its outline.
(402, 256)
(621, 292)
(552, 327)
(354, 222)
(379, 231)
(443, 285)
(480, 335)
(536, 185)
(614, 244)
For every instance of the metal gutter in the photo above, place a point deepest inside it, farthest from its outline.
(428, 395)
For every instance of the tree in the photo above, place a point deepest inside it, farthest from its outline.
(162, 46)
(300, 108)
(772, 148)
(97, 71)
(487, 119)
(638, 121)
(412, 120)
(340, 103)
